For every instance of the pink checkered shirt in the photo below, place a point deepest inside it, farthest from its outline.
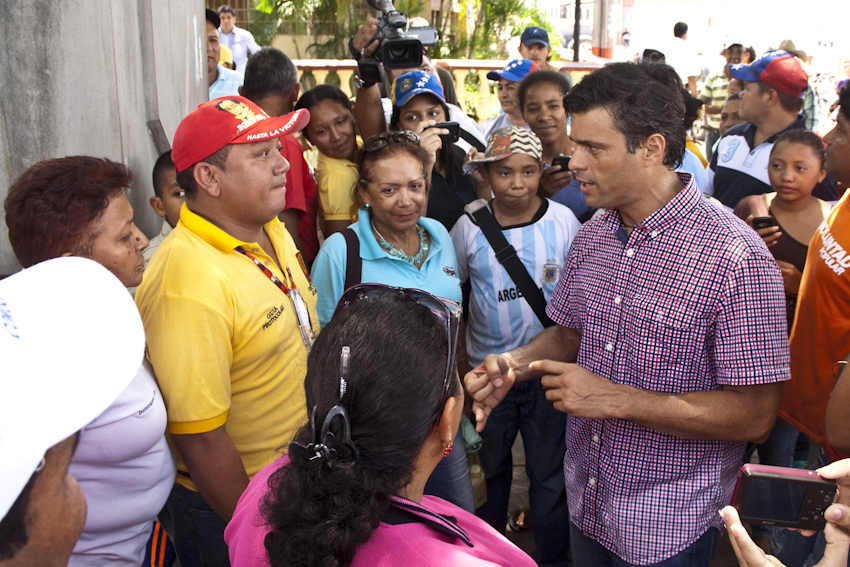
(690, 301)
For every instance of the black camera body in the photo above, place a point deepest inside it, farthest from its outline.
(398, 49)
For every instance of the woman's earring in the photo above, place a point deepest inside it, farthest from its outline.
(448, 449)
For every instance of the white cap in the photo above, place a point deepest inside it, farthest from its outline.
(71, 339)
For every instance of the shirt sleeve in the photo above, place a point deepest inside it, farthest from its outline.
(335, 193)
(750, 333)
(195, 382)
(328, 276)
(251, 43)
(460, 236)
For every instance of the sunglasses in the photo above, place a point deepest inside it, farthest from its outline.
(381, 141)
(447, 310)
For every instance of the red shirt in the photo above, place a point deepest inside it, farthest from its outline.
(301, 195)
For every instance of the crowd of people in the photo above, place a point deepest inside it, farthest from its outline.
(316, 353)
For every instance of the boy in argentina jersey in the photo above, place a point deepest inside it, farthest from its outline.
(501, 319)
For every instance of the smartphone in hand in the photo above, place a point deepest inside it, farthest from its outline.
(563, 161)
(453, 128)
(764, 222)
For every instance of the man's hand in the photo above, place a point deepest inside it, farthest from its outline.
(553, 180)
(577, 391)
(791, 276)
(362, 40)
(488, 384)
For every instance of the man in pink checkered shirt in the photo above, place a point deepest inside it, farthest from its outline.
(670, 347)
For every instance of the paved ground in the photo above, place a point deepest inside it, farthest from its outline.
(723, 556)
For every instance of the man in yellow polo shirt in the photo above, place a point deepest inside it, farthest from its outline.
(230, 315)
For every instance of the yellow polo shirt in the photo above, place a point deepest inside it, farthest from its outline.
(335, 180)
(223, 338)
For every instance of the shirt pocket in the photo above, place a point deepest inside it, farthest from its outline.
(665, 343)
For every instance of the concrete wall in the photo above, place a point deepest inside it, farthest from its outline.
(95, 78)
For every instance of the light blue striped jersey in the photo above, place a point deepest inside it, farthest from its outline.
(499, 317)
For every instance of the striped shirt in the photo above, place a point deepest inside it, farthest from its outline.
(692, 300)
(500, 318)
(714, 94)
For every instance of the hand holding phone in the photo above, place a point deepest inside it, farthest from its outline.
(764, 222)
(453, 128)
(563, 161)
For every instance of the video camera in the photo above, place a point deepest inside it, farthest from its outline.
(400, 47)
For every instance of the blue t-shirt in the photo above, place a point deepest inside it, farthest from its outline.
(437, 275)
(572, 197)
(226, 84)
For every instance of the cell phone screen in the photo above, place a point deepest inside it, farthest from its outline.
(778, 500)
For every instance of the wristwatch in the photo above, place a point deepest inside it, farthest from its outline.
(361, 84)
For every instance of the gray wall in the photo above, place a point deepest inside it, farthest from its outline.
(95, 78)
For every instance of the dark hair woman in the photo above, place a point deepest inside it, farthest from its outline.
(385, 401)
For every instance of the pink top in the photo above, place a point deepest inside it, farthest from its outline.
(434, 532)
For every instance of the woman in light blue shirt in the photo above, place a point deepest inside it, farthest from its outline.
(396, 246)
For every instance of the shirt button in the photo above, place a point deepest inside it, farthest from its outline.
(630, 252)
(596, 438)
(609, 347)
(255, 250)
(654, 233)
(592, 482)
(266, 262)
(618, 300)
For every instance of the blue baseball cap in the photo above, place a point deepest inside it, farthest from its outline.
(407, 86)
(534, 34)
(777, 69)
(515, 71)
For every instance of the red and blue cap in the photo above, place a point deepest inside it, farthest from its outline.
(515, 71)
(777, 69)
(407, 86)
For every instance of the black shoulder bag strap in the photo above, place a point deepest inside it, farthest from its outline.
(472, 140)
(353, 261)
(480, 214)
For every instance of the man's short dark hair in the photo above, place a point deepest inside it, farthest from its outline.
(844, 101)
(269, 71)
(680, 29)
(227, 8)
(164, 164)
(186, 178)
(788, 103)
(643, 99)
(733, 96)
(542, 77)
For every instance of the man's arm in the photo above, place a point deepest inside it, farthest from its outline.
(734, 413)
(489, 382)
(369, 113)
(837, 416)
(215, 468)
(289, 218)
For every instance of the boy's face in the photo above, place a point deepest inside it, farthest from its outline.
(173, 197)
(514, 181)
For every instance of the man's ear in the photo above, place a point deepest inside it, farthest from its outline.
(655, 146)
(241, 90)
(293, 95)
(207, 178)
(157, 206)
(484, 172)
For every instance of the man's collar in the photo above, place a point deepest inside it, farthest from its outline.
(213, 235)
(653, 225)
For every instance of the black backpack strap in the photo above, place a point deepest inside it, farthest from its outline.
(353, 263)
(472, 140)
(480, 214)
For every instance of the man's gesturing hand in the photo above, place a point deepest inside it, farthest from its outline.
(577, 391)
(488, 383)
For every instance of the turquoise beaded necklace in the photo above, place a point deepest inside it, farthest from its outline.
(399, 253)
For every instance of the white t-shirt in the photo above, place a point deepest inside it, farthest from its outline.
(126, 470)
(679, 55)
(499, 317)
(455, 115)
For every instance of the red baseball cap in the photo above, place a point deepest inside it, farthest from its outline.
(228, 120)
(777, 69)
